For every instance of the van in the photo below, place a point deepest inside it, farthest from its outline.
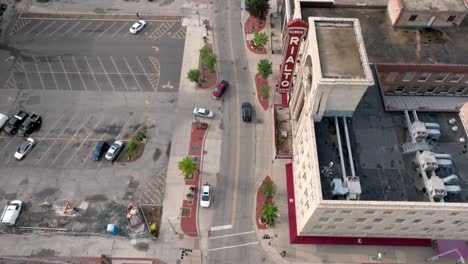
(3, 120)
(11, 212)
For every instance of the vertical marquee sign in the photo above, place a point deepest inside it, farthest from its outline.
(295, 31)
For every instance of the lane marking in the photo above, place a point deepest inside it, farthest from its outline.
(113, 35)
(27, 32)
(63, 67)
(40, 77)
(25, 73)
(82, 30)
(92, 149)
(6, 145)
(102, 65)
(53, 23)
(93, 30)
(230, 235)
(139, 86)
(241, 245)
(102, 33)
(124, 127)
(53, 126)
(64, 33)
(53, 76)
(79, 73)
(55, 31)
(120, 75)
(223, 227)
(92, 72)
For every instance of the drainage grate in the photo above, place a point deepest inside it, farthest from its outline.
(186, 212)
(195, 159)
(195, 148)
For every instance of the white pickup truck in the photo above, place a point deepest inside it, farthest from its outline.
(11, 212)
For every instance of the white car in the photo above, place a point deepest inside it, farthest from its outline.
(3, 119)
(11, 212)
(24, 148)
(205, 196)
(203, 112)
(137, 27)
(114, 150)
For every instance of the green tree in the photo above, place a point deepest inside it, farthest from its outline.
(187, 166)
(258, 8)
(269, 188)
(269, 213)
(193, 75)
(210, 62)
(265, 68)
(260, 38)
(205, 51)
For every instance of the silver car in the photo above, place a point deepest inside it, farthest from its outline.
(114, 150)
(203, 112)
(24, 148)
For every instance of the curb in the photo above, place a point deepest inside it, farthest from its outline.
(85, 16)
(200, 180)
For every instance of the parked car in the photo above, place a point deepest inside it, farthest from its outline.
(246, 111)
(3, 119)
(11, 212)
(219, 90)
(203, 112)
(114, 150)
(100, 148)
(30, 124)
(24, 148)
(11, 127)
(137, 26)
(205, 199)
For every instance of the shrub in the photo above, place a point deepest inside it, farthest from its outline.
(265, 68)
(187, 166)
(210, 62)
(258, 8)
(269, 213)
(260, 38)
(269, 188)
(193, 75)
(265, 91)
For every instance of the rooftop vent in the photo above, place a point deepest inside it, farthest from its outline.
(426, 160)
(338, 188)
(436, 187)
(354, 187)
(418, 130)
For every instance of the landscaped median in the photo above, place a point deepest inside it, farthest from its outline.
(136, 146)
(266, 209)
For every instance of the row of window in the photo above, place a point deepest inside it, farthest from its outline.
(387, 212)
(431, 89)
(440, 77)
(396, 221)
(413, 18)
(387, 228)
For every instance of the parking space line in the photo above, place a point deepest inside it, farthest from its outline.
(139, 86)
(118, 71)
(53, 125)
(68, 30)
(27, 32)
(53, 76)
(47, 27)
(63, 67)
(91, 32)
(118, 30)
(72, 139)
(94, 75)
(25, 73)
(104, 69)
(83, 141)
(147, 75)
(6, 145)
(53, 143)
(92, 149)
(55, 31)
(81, 30)
(38, 73)
(128, 32)
(79, 73)
(102, 33)
(124, 127)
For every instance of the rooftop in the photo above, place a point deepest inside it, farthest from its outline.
(377, 137)
(385, 44)
(439, 5)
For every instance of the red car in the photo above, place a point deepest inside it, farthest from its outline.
(219, 90)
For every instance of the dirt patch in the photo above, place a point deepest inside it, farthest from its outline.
(141, 246)
(43, 253)
(156, 154)
(46, 193)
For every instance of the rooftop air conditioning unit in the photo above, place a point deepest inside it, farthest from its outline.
(338, 188)
(354, 186)
(427, 160)
(418, 130)
(432, 126)
(436, 187)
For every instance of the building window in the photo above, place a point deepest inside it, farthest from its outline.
(306, 193)
(404, 228)
(439, 222)
(324, 219)
(416, 221)
(462, 230)
(391, 77)
(412, 18)
(388, 228)
(367, 228)
(445, 89)
(352, 227)
(456, 77)
(331, 227)
(454, 214)
(429, 213)
(304, 176)
(457, 222)
(424, 77)
(330, 211)
(399, 221)
(451, 18)
(346, 211)
(317, 227)
(459, 91)
(399, 89)
(370, 212)
(307, 204)
(411, 213)
(338, 220)
(413, 89)
(388, 212)
(408, 76)
(441, 229)
(425, 229)
(360, 220)
(431, 89)
(441, 77)
(378, 220)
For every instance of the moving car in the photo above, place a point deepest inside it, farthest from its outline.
(114, 150)
(3, 119)
(219, 90)
(205, 196)
(246, 111)
(30, 124)
(137, 27)
(99, 149)
(203, 112)
(11, 212)
(24, 148)
(11, 127)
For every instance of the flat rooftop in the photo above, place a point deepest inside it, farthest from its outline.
(377, 137)
(338, 50)
(385, 44)
(438, 5)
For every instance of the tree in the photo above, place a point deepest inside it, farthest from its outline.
(264, 68)
(258, 8)
(265, 91)
(269, 188)
(210, 62)
(205, 51)
(193, 75)
(260, 38)
(187, 166)
(269, 213)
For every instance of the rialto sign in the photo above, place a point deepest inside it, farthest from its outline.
(295, 31)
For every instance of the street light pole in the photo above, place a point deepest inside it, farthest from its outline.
(461, 260)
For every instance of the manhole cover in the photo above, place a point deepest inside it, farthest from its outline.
(195, 159)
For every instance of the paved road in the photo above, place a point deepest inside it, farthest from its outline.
(236, 180)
